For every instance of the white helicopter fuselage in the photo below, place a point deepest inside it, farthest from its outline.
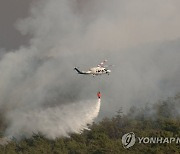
(98, 71)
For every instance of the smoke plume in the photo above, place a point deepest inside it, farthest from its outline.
(40, 92)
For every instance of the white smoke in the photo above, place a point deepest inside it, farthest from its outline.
(138, 40)
(39, 91)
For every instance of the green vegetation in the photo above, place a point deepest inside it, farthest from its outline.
(159, 120)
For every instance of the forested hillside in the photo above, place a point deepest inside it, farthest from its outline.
(162, 119)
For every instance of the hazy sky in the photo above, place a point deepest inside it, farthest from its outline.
(10, 12)
(141, 38)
